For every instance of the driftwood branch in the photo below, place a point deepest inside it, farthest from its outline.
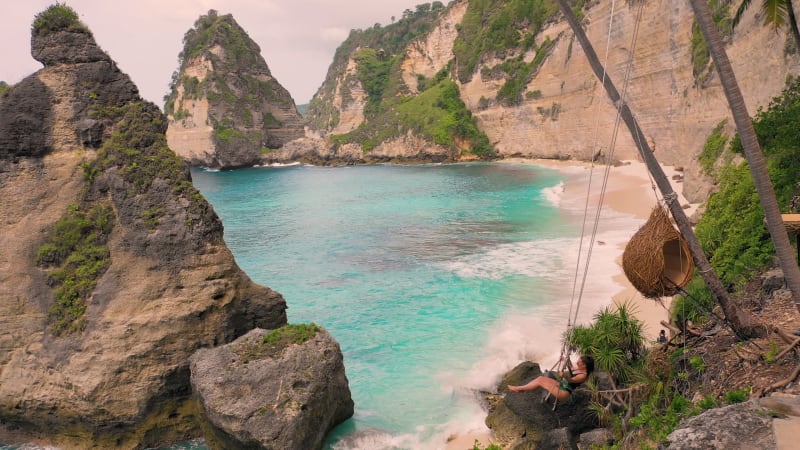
(784, 382)
(671, 328)
(788, 349)
(788, 338)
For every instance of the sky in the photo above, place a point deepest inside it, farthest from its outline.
(298, 38)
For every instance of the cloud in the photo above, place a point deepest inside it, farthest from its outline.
(334, 34)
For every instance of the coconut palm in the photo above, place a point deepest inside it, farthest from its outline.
(776, 13)
(742, 322)
(747, 134)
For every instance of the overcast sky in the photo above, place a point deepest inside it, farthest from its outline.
(297, 37)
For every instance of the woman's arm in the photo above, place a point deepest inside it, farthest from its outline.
(577, 377)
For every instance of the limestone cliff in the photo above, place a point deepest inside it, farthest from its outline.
(226, 108)
(557, 107)
(387, 97)
(114, 268)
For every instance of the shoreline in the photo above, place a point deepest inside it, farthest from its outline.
(630, 190)
(629, 193)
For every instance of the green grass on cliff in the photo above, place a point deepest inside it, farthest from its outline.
(491, 28)
(390, 40)
(56, 18)
(272, 344)
(75, 257)
(437, 113)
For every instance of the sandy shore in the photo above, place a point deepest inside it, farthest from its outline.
(629, 191)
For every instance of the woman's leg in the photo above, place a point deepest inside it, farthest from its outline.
(546, 383)
(538, 382)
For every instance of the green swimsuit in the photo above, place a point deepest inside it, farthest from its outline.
(565, 385)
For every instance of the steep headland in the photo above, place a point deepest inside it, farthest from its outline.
(114, 268)
(525, 83)
(225, 108)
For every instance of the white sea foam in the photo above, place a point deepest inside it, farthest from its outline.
(291, 164)
(554, 194)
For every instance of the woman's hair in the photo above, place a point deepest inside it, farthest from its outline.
(588, 361)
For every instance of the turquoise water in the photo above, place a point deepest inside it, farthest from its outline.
(436, 279)
(411, 268)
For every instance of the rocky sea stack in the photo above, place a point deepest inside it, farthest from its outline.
(226, 109)
(114, 269)
(247, 408)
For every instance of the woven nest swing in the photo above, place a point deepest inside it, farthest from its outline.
(657, 260)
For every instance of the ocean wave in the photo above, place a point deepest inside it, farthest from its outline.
(554, 194)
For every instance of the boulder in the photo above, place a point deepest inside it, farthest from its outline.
(289, 398)
(526, 420)
(740, 426)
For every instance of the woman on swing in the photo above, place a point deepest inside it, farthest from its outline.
(563, 385)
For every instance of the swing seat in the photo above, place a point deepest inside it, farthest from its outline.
(657, 260)
(546, 396)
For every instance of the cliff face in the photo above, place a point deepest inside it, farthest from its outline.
(226, 108)
(114, 270)
(675, 112)
(564, 112)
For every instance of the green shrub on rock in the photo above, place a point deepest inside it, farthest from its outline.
(56, 18)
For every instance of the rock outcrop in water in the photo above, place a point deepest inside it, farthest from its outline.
(226, 109)
(246, 408)
(524, 420)
(114, 269)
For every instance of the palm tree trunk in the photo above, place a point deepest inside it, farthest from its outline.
(793, 24)
(740, 320)
(752, 150)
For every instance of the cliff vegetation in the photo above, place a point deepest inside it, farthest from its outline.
(732, 228)
(225, 90)
(436, 112)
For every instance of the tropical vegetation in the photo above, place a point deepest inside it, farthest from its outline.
(75, 256)
(732, 229)
(776, 13)
(434, 112)
(496, 29)
(57, 17)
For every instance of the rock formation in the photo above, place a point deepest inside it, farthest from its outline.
(246, 407)
(521, 420)
(738, 426)
(226, 108)
(114, 268)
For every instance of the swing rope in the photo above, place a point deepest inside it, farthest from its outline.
(577, 298)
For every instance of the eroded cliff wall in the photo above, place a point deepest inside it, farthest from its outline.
(565, 113)
(573, 117)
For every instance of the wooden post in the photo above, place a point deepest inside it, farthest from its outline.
(792, 224)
